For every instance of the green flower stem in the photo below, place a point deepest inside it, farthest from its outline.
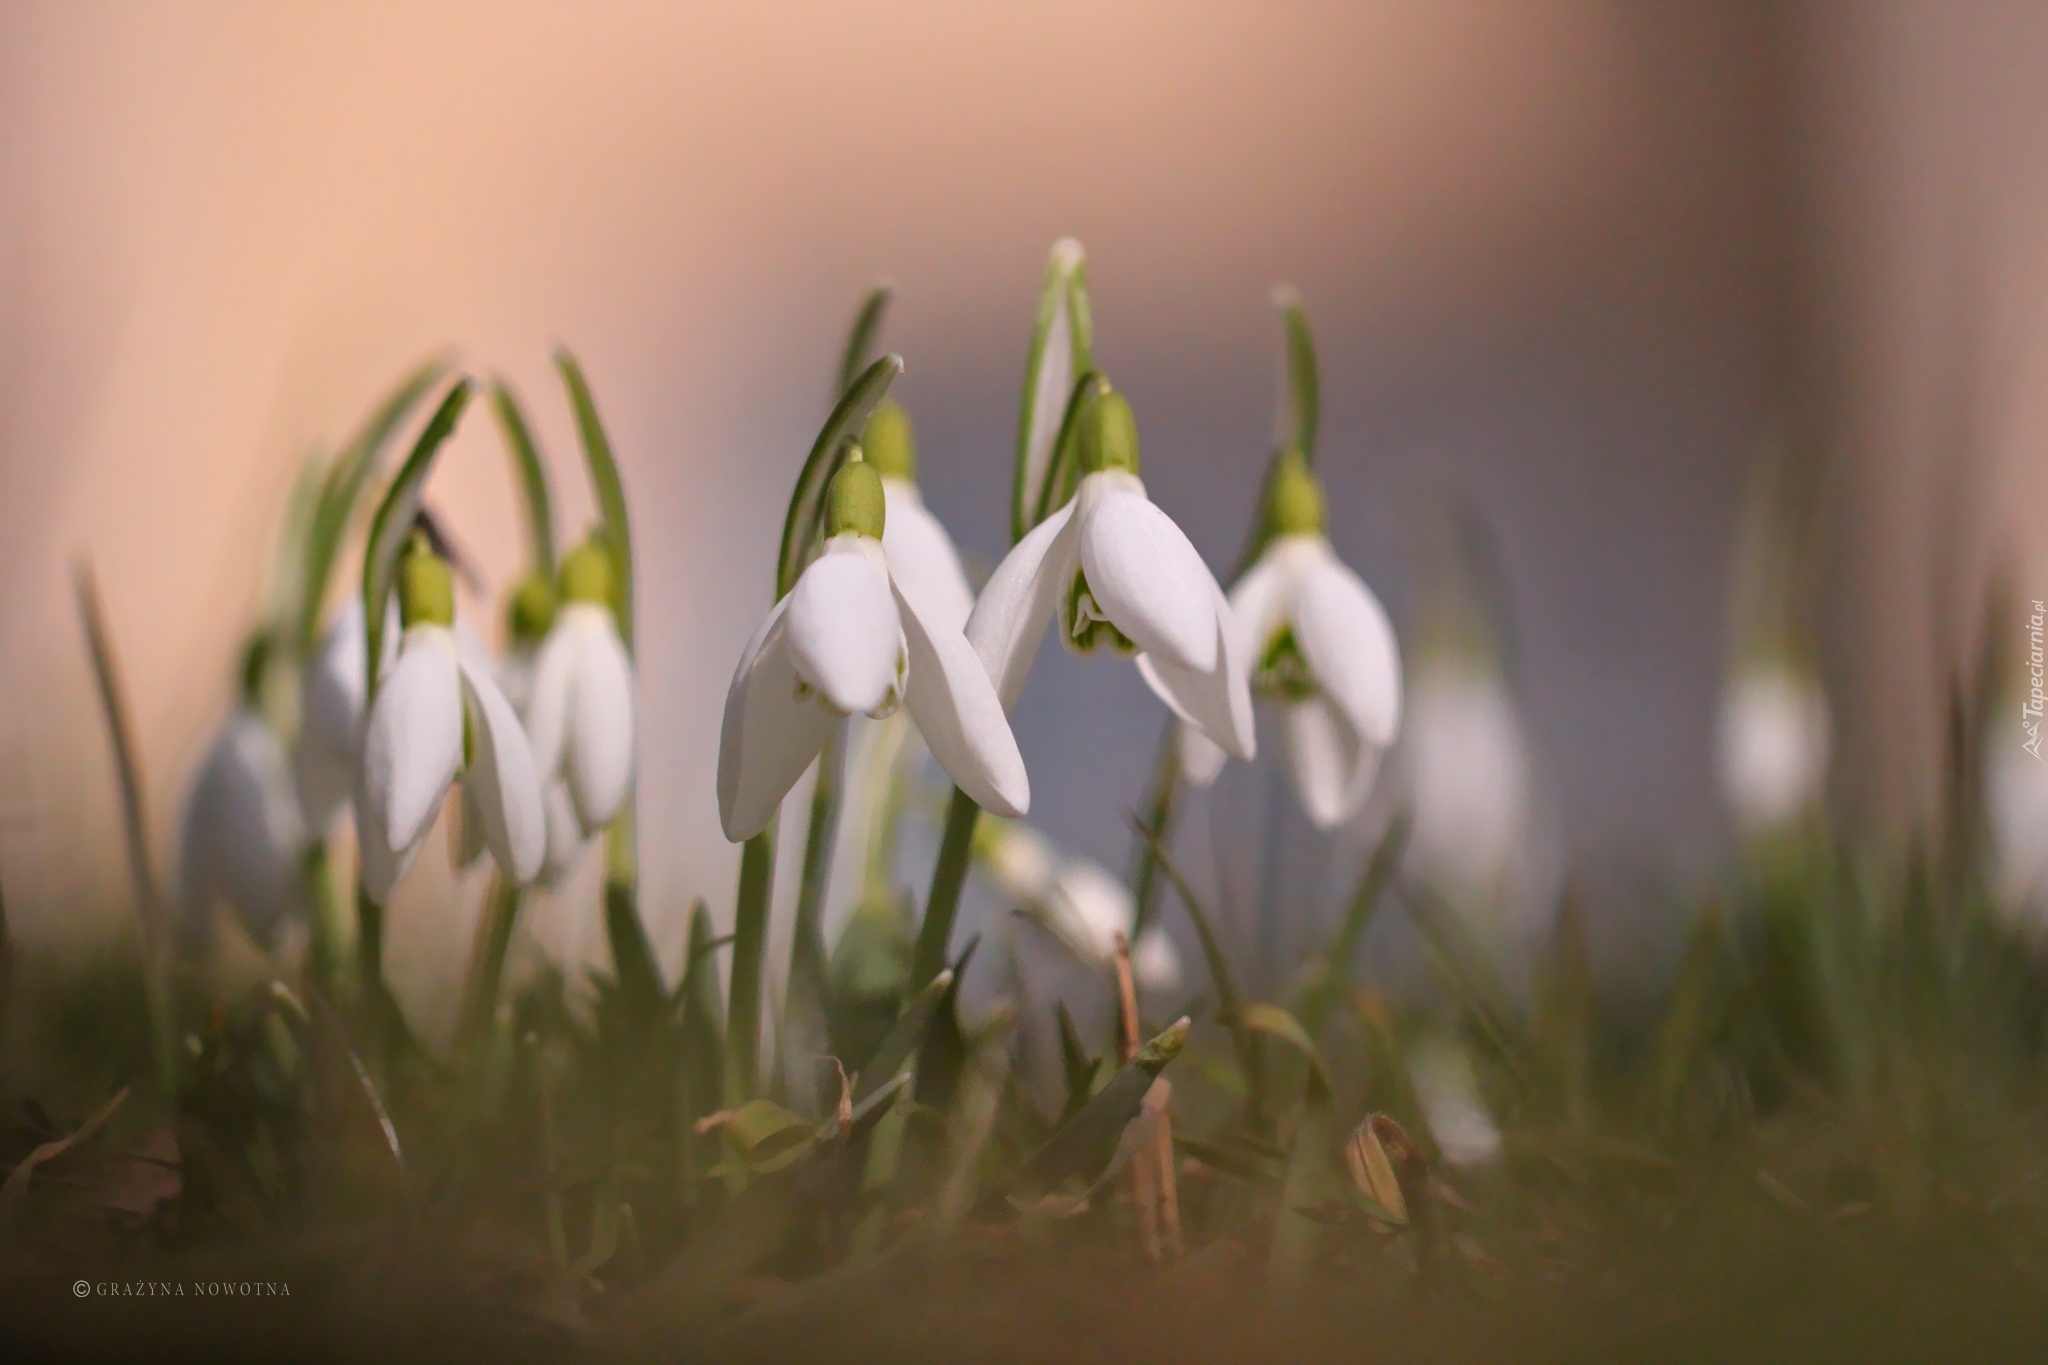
(1157, 828)
(807, 976)
(328, 950)
(487, 974)
(369, 949)
(749, 950)
(955, 853)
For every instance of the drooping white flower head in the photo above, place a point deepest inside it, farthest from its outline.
(1469, 774)
(580, 712)
(440, 715)
(922, 558)
(1116, 571)
(848, 639)
(1321, 646)
(1078, 900)
(1772, 746)
(331, 692)
(242, 840)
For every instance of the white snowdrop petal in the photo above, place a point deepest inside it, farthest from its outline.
(241, 838)
(1155, 962)
(1201, 762)
(923, 563)
(1217, 702)
(600, 755)
(381, 866)
(548, 700)
(769, 736)
(1020, 599)
(844, 634)
(1331, 765)
(1147, 578)
(959, 715)
(565, 836)
(331, 685)
(1095, 906)
(323, 782)
(1022, 861)
(1258, 601)
(1348, 644)
(503, 780)
(412, 747)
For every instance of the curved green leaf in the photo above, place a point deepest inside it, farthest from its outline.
(611, 493)
(1087, 1142)
(394, 519)
(860, 341)
(1062, 345)
(346, 479)
(1275, 1022)
(533, 476)
(807, 500)
(903, 1038)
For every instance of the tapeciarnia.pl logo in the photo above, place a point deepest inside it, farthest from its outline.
(2037, 697)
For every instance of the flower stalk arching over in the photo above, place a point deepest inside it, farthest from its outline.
(580, 713)
(849, 639)
(440, 716)
(1115, 570)
(1321, 646)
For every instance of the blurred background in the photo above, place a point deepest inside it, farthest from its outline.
(1571, 258)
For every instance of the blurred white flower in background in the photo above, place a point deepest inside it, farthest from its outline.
(1771, 744)
(1467, 761)
(331, 692)
(242, 839)
(1458, 1118)
(579, 707)
(1077, 900)
(2016, 805)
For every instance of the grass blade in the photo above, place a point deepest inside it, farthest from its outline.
(903, 1038)
(860, 341)
(1086, 1143)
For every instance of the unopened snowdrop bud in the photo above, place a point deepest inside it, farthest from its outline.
(1114, 570)
(580, 713)
(1773, 746)
(439, 716)
(849, 639)
(1321, 648)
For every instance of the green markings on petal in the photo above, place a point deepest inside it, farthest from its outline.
(805, 520)
(890, 443)
(393, 525)
(854, 502)
(426, 587)
(1085, 628)
(1282, 671)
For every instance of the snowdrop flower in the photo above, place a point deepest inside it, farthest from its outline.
(1468, 766)
(242, 840)
(1772, 744)
(1116, 571)
(331, 688)
(580, 712)
(439, 715)
(922, 559)
(1078, 900)
(1457, 1115)
(850, 639)
(1321, 646)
